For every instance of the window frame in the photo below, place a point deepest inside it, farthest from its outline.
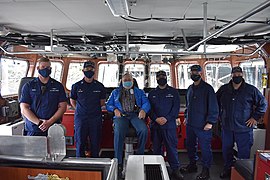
(26, 73)
(72, 61)
(136, 62)
(176, 71)
(52, 61)
(250, 61)
(170, 71)
(108, 63)
(215, 62)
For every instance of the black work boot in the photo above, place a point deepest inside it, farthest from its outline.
(120, 170)
(204, 174)
(189, 168)
(226, 173)
(176, 175)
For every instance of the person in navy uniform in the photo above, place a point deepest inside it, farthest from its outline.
(200, 115)
(165, 106)
(87, 96)
(130, 106)
(43, 101)
(241, 106)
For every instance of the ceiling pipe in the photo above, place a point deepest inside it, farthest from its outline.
(204, 25)
(185, 39)
(131, 52)
(233, 23)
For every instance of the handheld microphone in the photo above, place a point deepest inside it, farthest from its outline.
(43, 89)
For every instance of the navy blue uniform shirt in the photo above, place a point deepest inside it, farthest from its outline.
(201, 105)
(45, 105)
(164, 103)
(238, 106)
(88, 96)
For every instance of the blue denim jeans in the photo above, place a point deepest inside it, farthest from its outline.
(121, 126)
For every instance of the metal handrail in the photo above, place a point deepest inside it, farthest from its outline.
(113, 171)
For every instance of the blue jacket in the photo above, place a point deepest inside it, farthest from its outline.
(114, 101)
(238, 106)
(201, 105)
(164, 103)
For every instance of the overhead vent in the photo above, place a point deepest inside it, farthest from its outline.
(118, 7)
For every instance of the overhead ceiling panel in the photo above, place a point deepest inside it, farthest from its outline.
(35, 16)
(91, 16)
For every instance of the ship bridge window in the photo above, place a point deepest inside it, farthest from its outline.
(218, 74)
(183, 72)
(137, 71)
(108, 74)
(155, 68)
(57, 69)
(252, 72)
(12, 70)
(75, 74)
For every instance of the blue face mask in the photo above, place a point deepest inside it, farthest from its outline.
(89, 74)
(128, 84)
(45, 72)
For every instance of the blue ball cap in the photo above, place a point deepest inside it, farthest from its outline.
(161, 73)
(237, 69)
(89, 64)
(196, 68)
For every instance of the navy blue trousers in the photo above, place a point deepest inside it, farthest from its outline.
(169, 139)
(91, 128)
(244, 142)
(195, 135)
(30, 133)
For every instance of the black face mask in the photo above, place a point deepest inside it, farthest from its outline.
(89, 74)
(195, 77)
(162, 81)
(237, 79)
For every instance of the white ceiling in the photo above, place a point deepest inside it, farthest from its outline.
(92, 17)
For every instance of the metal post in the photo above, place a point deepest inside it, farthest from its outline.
(127, 43)
(204, 24)
(184, 38)
(51, 40)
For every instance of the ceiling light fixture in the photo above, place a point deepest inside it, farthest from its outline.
(118, 7)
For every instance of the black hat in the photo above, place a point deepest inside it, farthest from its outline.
(89, 64)
(196, 68)
(237, 69)
(161, 73)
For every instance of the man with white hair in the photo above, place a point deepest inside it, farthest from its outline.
(129, 105)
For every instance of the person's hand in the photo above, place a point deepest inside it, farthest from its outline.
(117, 113)
(185, 121)
(161, 120)
(142, 114)
(44, 125)
(207, 127)
(251, 122)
